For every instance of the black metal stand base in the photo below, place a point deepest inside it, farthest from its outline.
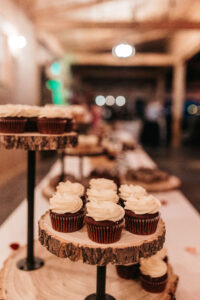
(24, 265)
(94, 297)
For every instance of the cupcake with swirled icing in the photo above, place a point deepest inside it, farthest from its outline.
(128, 190)
(74, 188)
(102, 184)
(142, 215)
(66, 212)
(12, 119)
(162, 254)
(154, 275)
(105, 221)
(51, 120)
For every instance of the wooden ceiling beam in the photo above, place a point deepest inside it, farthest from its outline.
(173, 25)
(150, 59)
(64, 8)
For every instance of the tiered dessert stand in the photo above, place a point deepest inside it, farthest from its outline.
(32, 142)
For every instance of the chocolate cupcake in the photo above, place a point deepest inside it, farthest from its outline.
(142, 215)
(153, 274)
(51, 121)
(12, 119)
(104, 221)
(66, 212)
(128, 190)
(99, 195)
(102, 184)
(162, 254)
(130, 271)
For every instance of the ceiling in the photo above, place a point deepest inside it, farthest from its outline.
(90, 28)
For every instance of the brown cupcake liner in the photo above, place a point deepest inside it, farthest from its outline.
(12, 125)
(128, 272)
(104, 234)
(67, 222)
(141, 226)
(154, 285)
(31, 125)
(69, 126)
(51, 126)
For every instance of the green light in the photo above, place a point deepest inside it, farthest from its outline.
(57, 93)
(55, 68)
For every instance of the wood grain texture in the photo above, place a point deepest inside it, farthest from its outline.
(37, 141)
(171, 183)
(62, 279)
(77, 246)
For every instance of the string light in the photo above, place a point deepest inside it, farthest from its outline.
(100, 100)
(123, 50)
(120, 101)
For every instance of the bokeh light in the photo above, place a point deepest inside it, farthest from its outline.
(110, 100)
(123, 50)
(192, 109)
(100, 100)
(120, 100)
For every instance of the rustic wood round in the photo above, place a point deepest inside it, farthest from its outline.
(61, 279)
(37, 141)
(77, 246)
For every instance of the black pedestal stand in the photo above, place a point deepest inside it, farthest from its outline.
(62, 160)
(30, 262)
(101, 286)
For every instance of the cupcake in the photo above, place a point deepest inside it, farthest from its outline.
(128, 190)
(67, 115)
(100, 195)
(102, 184)
(51, 121)
(12, 119)
(66, 212)
(153, 274)
(73, 188)
(104, 221)
(142, 215)
(31, 112)
(130, 271)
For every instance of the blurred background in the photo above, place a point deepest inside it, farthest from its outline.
(134, 62)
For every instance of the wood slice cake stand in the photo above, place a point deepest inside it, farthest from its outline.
(78, 247)
(62, 279)
(33, 142)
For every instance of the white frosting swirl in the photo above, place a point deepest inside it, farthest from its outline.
(30, 111)
(102, 184)
(127, 190)
(102, 195)
(153, 267)
(64, 203)
(69, 187)
(145, 205)
(105, 211)
(52, 112)
(11, 110)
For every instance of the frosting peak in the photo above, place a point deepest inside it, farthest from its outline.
(70, 188)
(127, 190)
(65, 203)
(103, 184)
(145, 205)
(105, 211)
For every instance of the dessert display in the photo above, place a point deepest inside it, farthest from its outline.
(82, 117)
(153, 274)
(147, 175)
(152, 179)
(142, 215)
(66, 211)
(50, 119)
(104, 221)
